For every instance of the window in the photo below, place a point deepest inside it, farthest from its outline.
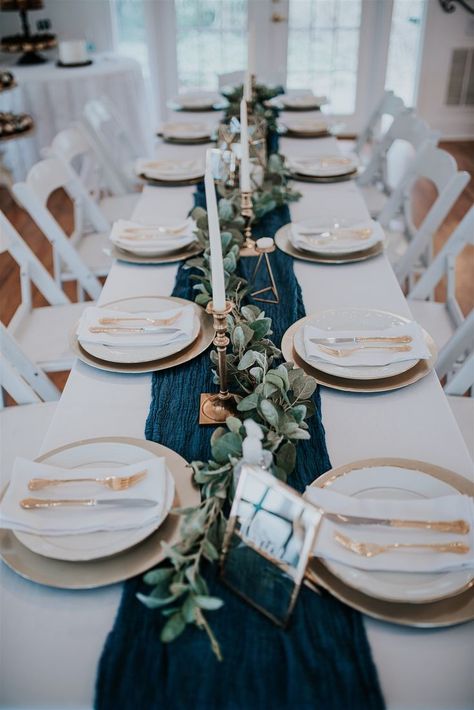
(130, 25)
(405, 48)
(323, 47)
(211, 39)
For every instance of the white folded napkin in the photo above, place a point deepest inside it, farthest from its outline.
(323, 165)
(306, 125)
(180, 330)
(331, 240)
(366, 356)
(157, 485)
(452, 507)
(186, 130)
(170, 169)
(145, 238)
(197, 99)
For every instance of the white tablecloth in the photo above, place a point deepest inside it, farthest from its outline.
(55, 97)
(52, 640)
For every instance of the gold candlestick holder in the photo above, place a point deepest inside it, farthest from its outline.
(215, 408)
(246, 210)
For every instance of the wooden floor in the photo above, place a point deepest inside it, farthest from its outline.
(61, 207)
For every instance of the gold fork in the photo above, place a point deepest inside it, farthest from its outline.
(345, 352)
(115, 483)
(151, 321)
(371, 549)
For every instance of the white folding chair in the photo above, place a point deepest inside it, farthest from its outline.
(389, 105)
(460, 378)
(113, 143)
(24, 426)
(410, 248)
(84, 256)
(75, 148)
(41, 333)
(392, 157)
(442, 319)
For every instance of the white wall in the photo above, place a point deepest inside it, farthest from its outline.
(70, 19)
(443, 33)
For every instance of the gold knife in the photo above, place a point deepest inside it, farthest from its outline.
(453, 526)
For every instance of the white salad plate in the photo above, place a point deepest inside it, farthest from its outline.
(322, 166)
(341, 235)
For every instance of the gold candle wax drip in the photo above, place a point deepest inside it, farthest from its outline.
(215, 408)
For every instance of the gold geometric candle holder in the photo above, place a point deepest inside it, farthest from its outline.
(264, 247)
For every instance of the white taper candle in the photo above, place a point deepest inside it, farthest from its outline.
(217, 263)
(244, 148)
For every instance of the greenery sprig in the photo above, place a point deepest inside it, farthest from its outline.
(261, 95)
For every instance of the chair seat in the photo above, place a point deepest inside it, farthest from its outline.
(374, 199)
(463, 410)
(22, 431)
(43, 334)
(94, 251)
(435, 319)
(120, 207)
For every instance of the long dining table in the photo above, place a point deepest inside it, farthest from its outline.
(51, 639)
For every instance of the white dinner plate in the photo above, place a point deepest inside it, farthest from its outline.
(134, 354)
(354, 319)
(321, 166)
(396, 483)
(91, 546)
(198, 100)
(306, 125)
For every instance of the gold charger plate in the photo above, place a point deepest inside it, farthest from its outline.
(106, 570)
(186, 253)
(171, 183)
(283, 243)
(185, 141)
(453, 610)
(385, 384)
(326, 178)
(198, 346)
(306, 134)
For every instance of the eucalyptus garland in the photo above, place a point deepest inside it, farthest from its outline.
(260, 106)
(277, 396)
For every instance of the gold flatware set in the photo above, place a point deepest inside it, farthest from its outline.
(115, 483)
(346, 352)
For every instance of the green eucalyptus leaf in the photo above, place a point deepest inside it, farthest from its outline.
(229, 444)
(304, 387)
(261, 327)
(248, 403)
(234, 424)
(209, 603)
(173, 628)
(155, 576)
(189, 609)
(286, 457)
(269, 412)
(247, 360)
(272, 378)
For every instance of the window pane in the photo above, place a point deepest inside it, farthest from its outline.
(404, 48)
(323, 47)
(211, 39)
(131, 32)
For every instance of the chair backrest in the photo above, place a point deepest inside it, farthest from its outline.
(444, 265)
(31, 270)
(406, 127)
(43, 178)
(390, 105)
(76, 149)
(112, 142)
(441, 169)
(459, 379)
(22, 379)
